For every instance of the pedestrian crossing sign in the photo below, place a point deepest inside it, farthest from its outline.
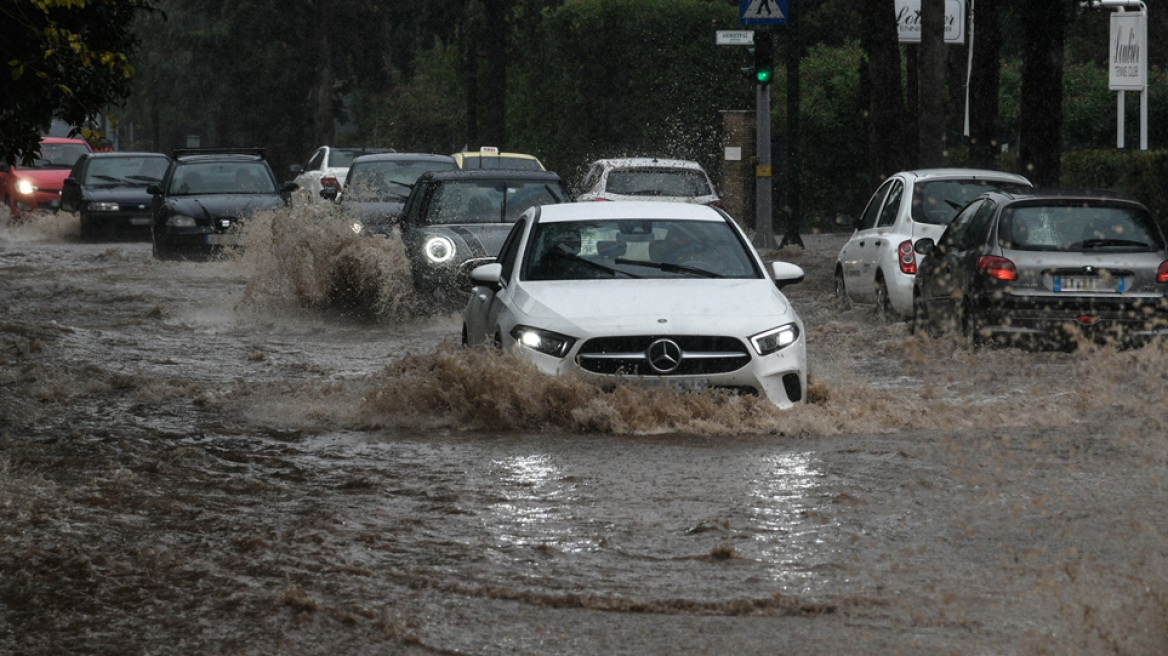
(762, 12)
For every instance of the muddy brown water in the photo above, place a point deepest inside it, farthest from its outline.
(280, 453)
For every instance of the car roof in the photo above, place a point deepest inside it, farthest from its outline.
(648, 162)
(635, 210)
(123, 153)
(1061, 195)
(455, 175)
(949, 173)
(67, 140)
(404, 157)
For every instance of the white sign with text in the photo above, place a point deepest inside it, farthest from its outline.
(908, 21)
(1128, 56)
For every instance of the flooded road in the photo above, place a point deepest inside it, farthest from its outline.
(286, 453)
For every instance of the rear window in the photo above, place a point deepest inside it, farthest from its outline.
(488, 201)
(242, 177)
(1079, 228)
(937, 202)
(657, 182)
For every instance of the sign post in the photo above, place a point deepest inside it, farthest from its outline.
(762, 13)
(1127, 59)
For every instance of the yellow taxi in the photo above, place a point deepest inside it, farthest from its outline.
(489, 157)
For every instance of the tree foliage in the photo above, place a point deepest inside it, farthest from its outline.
(63, 59)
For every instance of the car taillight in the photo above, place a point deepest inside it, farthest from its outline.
(1162, 273)
(908, 259)
(717, 203)
(330, 182)
(998, 268)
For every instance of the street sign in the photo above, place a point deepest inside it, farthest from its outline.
(735, 37)
(762, 12)
(1129, 51)
(908, 21)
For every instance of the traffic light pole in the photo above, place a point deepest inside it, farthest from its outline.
(764, 233)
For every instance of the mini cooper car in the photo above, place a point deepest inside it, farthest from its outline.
(108, 191)
(1057, 265)
(652, 293)
(37, 185)
(642, 178)
(455, 220)
(206, 193)
(877, 264)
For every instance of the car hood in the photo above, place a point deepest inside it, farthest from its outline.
(614, 307)
(46, 179)
(224, 204)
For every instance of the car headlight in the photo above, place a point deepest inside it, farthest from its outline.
(775, 339)
(180, 221)
(24, 187)
(103, 206)
(357, 227)
(439, 249)
(543, 341)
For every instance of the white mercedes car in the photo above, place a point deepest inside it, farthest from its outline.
(646, 292)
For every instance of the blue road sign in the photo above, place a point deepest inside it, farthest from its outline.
(762, 12)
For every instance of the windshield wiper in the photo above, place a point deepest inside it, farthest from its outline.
(595, 265)
(669, 267)
(108, 178)
(145, 178)
(1103, 243)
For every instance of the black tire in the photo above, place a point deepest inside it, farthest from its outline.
(841, 300)
(970, 326)
(920, 318)
(883, 305)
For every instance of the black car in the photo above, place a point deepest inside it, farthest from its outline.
(1047, 266)
(206, 193)
(108, 190)
(454, 221)
(376, 187)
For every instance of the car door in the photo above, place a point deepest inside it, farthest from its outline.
(858, 257)
(945, 274)
(71, 188)
(486, 303)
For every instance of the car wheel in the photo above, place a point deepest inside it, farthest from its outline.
(841, 300)
(920, 317)
(883, 305)
(465, 341)
(497, 342)
(970, 325)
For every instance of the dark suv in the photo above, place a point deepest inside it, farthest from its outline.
(454, 221)
(206, 193)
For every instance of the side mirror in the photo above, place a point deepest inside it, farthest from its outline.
(925, 246)
(296, 169)
(487, 275)
(786, 273)
(154, 190)
(329, 193)
(289, 187)
(71, 182)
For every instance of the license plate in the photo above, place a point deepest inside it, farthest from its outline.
(223, 239)
(140, 220)
(1087, 284)
(690, 384)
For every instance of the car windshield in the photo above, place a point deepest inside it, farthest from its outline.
(387, 180)
(938, 201)
(489, 201)
(235, 177)
(1079, 227)
(657, 182)
(659, 248)
(135, 171)
(500, 162)
(57, 156)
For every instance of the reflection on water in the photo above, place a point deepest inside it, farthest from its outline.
(536, 506)
(781, 498)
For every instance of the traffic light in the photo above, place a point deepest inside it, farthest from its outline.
(764, 60)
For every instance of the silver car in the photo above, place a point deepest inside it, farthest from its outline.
(1051, 265)
(877, 264)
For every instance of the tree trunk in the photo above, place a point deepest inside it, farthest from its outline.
(1040, 123)
(931, 152)
(493, 78)
(881, 46)
(985, 85)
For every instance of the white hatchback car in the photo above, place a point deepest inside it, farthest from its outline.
(877, 264)
(647, 178)
(650, 293)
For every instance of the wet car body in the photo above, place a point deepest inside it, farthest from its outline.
(37, 186)
(489, 157)
(326, 169)
(108, 191)
(646, 178)
(377, 186)
(206, 194)
(455, 220)
(652, 293)
(878, 264)
(1047, 266)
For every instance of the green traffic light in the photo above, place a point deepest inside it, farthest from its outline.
(763, 75)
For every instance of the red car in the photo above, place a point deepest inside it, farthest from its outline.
(38, 186)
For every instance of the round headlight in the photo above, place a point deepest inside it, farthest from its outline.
(25, 187)
(439, 249)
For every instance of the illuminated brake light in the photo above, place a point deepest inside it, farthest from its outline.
(907, 259)
(1162, 273)
(998, 268)
(717, 203)
(330, 182)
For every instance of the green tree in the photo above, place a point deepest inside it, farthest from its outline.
(62, 59)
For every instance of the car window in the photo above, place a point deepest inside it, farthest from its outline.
(868, 218)
(660, 248)
(237, 177)
(125, 170)
(1086, 227)
(657, 182)
(57, 156)
(936, 202)
(975, 234)
(891, 204)
(317, 161)
(952, 236)
(509, 253)
(387, 180)
(483, 201)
